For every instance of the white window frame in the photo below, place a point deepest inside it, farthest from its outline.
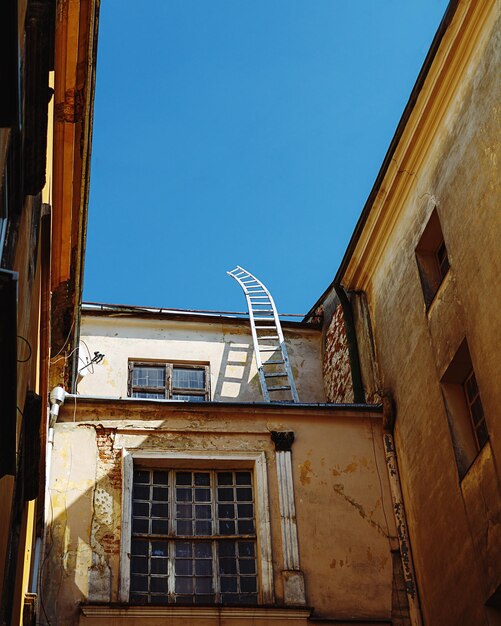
(204, 460)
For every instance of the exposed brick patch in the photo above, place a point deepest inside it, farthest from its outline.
(109, 456)
(336, 365)
(105, 532)
(110, 544)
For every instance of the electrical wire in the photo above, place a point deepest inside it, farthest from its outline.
(29, 346)
(65, 342)
(65, 357)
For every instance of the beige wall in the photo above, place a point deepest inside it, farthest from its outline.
(454, 524)
(226, 347)
(343, 506)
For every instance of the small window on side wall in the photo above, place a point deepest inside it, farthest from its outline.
(432, 258)
(464, 409)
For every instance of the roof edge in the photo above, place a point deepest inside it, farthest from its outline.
(97, 309)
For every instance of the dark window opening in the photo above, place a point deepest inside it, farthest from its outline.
(464, 409)
(432, 258)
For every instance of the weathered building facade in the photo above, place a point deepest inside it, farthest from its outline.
(178, 496)
(423, 312)
(47, 66)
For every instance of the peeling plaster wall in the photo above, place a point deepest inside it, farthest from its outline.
(337, 372)
(455, 526)
(343, 503)
(335, 357)
(226, 347)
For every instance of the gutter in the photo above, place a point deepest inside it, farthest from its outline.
(409, 107)
(96, 309)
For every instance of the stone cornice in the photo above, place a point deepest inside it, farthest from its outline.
(93, 409)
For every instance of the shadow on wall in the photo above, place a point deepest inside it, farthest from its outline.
(82, 556)
(234, 382)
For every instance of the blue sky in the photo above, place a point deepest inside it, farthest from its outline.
(244, 132)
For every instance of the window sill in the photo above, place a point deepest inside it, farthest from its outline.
(117, 611)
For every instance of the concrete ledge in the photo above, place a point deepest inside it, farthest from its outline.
(152, 615)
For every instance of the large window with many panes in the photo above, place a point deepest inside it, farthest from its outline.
(171, 381)
(193, 538)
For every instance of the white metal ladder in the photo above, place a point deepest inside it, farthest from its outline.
(267, 335)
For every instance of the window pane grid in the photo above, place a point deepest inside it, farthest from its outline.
(165, 380)
(208, 553)
(188, 378)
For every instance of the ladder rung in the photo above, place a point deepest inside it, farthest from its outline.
(268, 349)
(268, 337)
(261, 319)
(271, 327)
(255, 297)
(262, 310)
(273, 363)
(276, 375)
(278, 388)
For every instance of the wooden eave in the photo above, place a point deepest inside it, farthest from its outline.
(75, 68)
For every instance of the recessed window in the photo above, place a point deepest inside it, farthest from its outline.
(464, 409)
(193, 537)
(432, 258)
(189, 382)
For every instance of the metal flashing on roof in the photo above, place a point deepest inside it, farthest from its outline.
(228, 317)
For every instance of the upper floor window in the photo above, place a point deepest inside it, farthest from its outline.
(464, 409)
(432, 258)
(171, 381)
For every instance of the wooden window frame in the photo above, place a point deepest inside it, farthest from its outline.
(205, 461)
(173, 537)
(168, 389)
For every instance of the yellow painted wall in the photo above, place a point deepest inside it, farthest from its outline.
(226, 347)
(343, 505)
(455, 525)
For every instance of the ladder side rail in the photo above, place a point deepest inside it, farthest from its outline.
(278, 326)
(259, 364)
